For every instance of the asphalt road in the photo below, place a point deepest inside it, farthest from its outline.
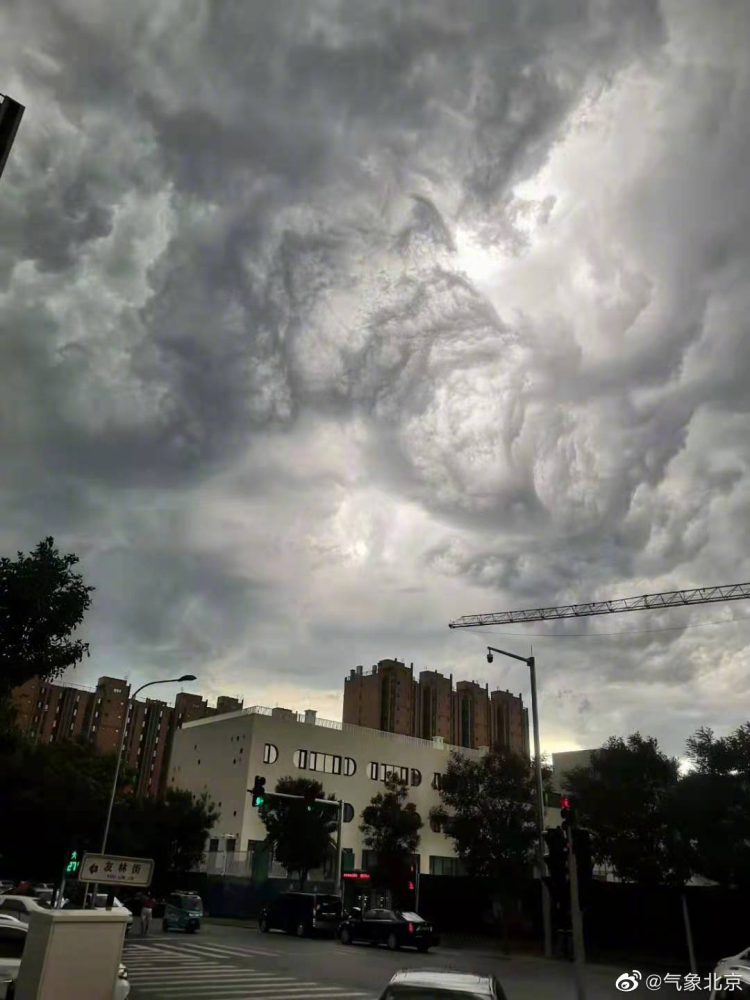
(237, 963)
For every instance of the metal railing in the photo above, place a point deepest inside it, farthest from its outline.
(348, 727)
(240, 864)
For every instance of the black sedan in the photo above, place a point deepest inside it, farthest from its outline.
(395, 928)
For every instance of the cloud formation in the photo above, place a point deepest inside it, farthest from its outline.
(326, 323)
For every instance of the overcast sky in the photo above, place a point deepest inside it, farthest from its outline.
(327, 322)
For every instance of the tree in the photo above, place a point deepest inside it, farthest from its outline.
(626, 799)
(171, 830)
(301, 838)
(712, 806)
(68, 782)
(390, 827)
(42, 602)
(488, 808)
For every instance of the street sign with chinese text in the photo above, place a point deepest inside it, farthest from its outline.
(110, 869)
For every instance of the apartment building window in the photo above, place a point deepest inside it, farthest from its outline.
(416, 777)
(348, 812)
(231, 844)
(437, 781)
(446, 866)
(436, 825)
(213, 845)
(350, 767)
(270, 753)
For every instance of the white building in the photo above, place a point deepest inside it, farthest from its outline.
(222, 755)
(563, 763)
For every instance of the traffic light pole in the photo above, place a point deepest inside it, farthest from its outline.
(576, 921)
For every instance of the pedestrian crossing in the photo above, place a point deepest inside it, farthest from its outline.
(206, 971)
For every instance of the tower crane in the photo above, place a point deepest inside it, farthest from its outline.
(647, 602)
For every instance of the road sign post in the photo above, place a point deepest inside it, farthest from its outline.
(112, 869)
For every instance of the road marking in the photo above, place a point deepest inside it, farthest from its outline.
(170, 973)
(223, 949)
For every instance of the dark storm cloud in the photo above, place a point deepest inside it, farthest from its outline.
(324, 323)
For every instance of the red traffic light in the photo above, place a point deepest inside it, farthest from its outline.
(564, 802)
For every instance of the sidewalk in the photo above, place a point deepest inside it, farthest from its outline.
(250, 924)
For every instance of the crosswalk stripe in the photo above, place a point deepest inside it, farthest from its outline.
(213, 976)
(150, 959)
(221, 949)
(184, 977)
(203, 972)
(280, 992)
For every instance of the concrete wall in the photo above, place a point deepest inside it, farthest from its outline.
(223, 755)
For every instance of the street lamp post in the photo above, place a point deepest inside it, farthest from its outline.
(546, 907)
(131, 699)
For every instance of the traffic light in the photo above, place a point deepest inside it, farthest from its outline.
(258, 790)
(310, 797)
(568, 811)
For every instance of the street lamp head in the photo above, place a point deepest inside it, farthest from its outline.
(188, 677)
(489, 657)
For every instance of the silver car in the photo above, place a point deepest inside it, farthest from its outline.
(732, 977)
(433, 984)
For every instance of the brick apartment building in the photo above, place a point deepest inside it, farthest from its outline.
(389, 698)
(52, 712)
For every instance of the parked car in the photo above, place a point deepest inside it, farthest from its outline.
(12, 942)
(22, 907)
(101, 903)
(183, 912)
(302, 913)
(396, 928)
(47, 896)
(735, 968)
(437, 983)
